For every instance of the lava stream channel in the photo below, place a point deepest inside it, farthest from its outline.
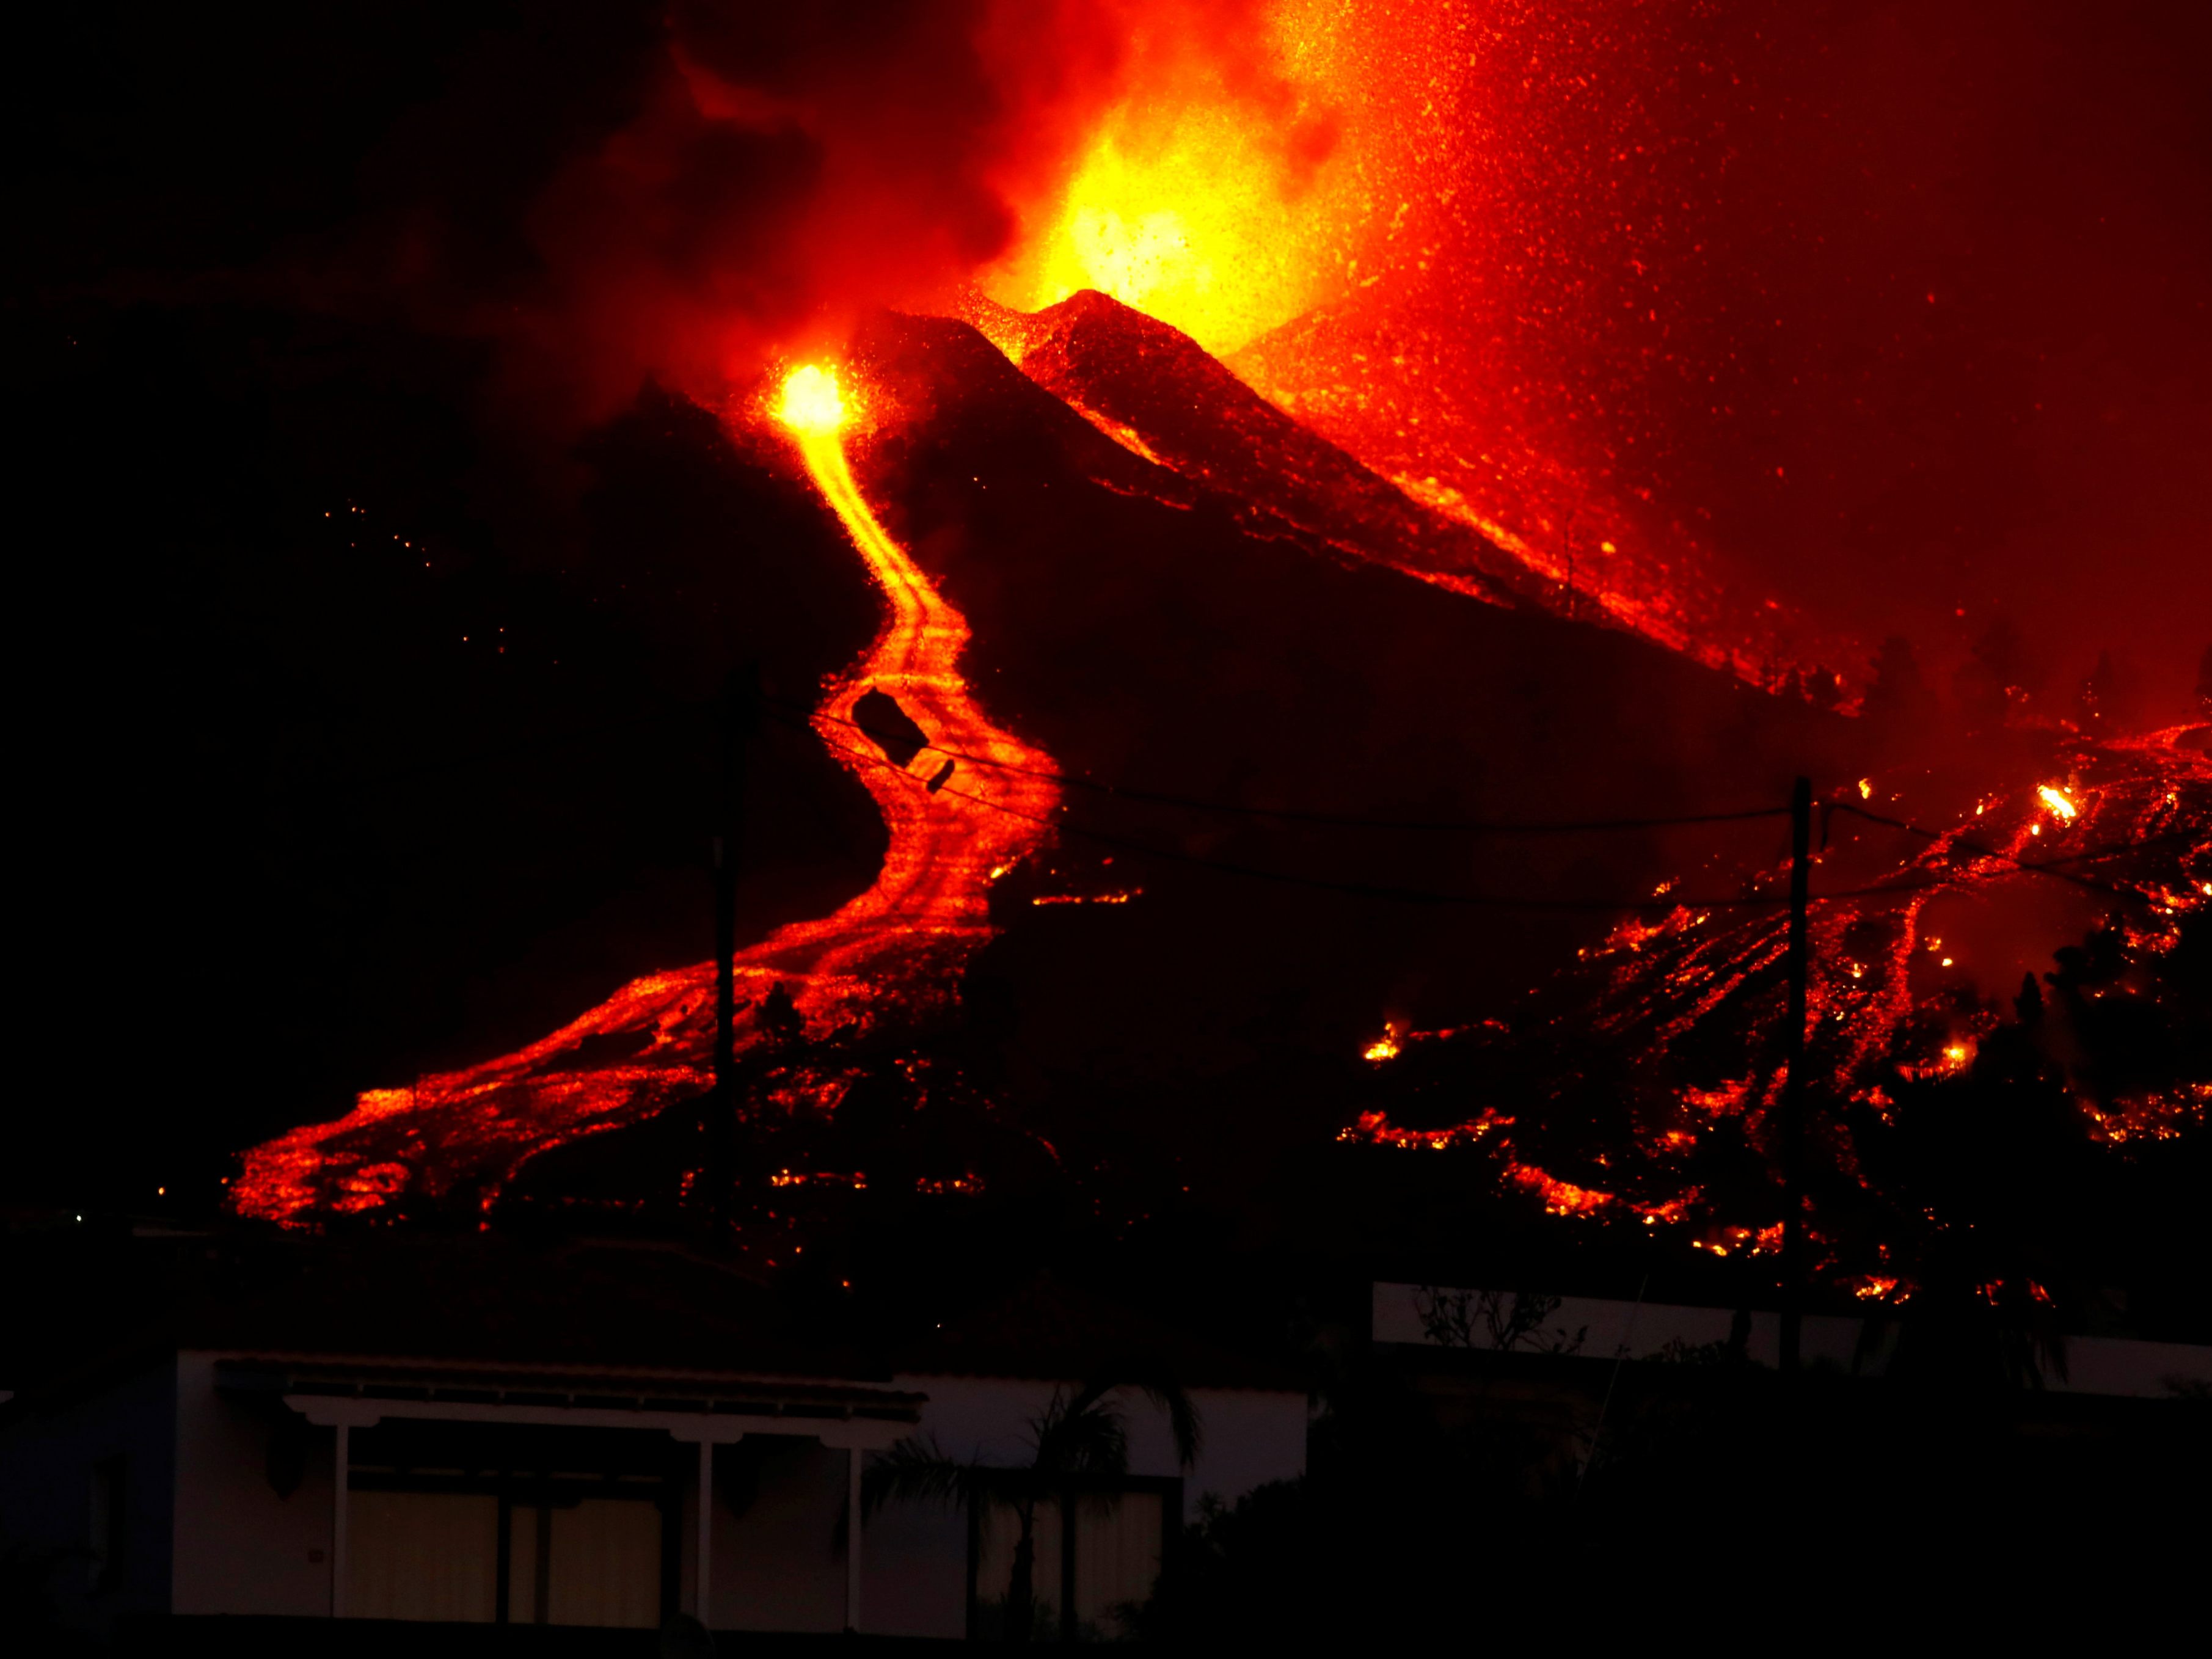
(892, 952)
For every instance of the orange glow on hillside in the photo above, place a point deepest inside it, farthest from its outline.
(1880, 1006)
(890, 952)
(1266, 196)
(1560, 1197)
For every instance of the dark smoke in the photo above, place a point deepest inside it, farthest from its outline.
(620, 190)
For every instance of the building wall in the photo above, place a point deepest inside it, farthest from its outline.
(242, 1546)
(47, 1462)
(1250, 1436)
(211, 1532)
(779, 1564)
(1611, 1327)
(913, 1568)
(914, 1557)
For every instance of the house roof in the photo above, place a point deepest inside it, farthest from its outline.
(601, 1388)
(418, 1316)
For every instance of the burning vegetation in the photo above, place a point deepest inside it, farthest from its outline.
(1954, 1120)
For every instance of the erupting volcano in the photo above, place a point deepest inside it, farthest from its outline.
(1174, 415)
(1912, 930)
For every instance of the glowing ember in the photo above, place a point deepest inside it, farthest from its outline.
(2056, 799)
(1375, 1130)
(1560, 1197)
(1383, 1047)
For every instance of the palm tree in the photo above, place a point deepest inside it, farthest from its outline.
(1077, 1436)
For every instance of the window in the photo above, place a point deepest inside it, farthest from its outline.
(606, 1565)
(480, 1524)
(423, 1555)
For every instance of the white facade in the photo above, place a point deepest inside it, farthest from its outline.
(1611, 1329)
(232, 1504)
(918, 1556)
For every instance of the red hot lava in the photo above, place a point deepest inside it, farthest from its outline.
(1677, 1022)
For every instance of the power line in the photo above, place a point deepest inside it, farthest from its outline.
(1191, 803)
(2043, 866)
(1354, 889)
(1425, 895)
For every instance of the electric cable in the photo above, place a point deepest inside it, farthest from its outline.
(1400, 894)
(1190, 802)
(1413, 895)
(2050, 867)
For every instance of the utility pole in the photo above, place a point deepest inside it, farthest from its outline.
(1572, 517)
(1793, 1088)
(736, 715)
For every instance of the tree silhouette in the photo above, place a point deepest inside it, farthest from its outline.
(779, 1019)
(2000, 673)
(1077, 1437)
(2110, 698)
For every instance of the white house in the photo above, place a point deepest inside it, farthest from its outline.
(468, 1433)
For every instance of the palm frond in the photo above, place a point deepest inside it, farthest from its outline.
(916, 1470)
(1171, 1397)
(1085, 1432)
(1091, 1441)
(1183, 1416)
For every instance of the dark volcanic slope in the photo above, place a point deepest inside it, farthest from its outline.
(1152, 387)
(1162, 645)
(375, 753)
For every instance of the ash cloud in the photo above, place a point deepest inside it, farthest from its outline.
(613, 190)
(788, 169)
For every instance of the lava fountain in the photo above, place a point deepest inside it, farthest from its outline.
(962, 808)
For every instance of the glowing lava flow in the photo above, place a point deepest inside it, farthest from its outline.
(947, 840)
(896, 949)
(1692, 1004)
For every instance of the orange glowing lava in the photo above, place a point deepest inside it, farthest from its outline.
(1694, 994)
(893, 951)
(1328, 204)
(1221, 192)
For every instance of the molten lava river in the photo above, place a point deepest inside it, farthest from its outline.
(889, 952)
